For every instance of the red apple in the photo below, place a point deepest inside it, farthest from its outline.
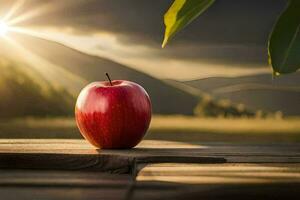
(113, 114)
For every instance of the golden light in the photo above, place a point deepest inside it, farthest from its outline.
(12, 21)
(4, 28)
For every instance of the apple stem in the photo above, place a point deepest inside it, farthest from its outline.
(109, 79)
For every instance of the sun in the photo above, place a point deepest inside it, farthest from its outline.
(4, 28)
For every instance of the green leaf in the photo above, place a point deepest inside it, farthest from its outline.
(181, 13)
(284, 42)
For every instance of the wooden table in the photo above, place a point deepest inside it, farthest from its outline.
(72, 169)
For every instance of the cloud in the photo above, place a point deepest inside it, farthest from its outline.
(231, 31)
(227, 21)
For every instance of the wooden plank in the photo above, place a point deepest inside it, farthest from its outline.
(32, 184)
(179, 159)
(234, 137)
(216, 192)
(220, 173)
(79, 155)
(147, 147)
(30, 178)
(83, 162)
(61, 193)
(218, 181)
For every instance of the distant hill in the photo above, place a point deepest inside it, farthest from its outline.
(27, 95)
(260, 91)
(213, 83)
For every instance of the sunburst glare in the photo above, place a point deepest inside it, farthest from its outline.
(12, 22)
(4, 28)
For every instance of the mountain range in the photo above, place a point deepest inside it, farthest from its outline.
(73, 70)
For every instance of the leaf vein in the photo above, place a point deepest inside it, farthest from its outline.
(287, 51)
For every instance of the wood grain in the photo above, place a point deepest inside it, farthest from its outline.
(79, 155)
(218, 181)
(73, 169)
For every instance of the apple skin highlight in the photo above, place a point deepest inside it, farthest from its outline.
(113, 115)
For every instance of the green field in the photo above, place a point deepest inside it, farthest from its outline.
(173, 128)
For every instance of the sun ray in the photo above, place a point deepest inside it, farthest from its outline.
(31, 14)
(16, 6)
(46, 68)
(29, 32)
(43, 66)
(3, 29)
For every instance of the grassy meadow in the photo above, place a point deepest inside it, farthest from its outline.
(171, 128)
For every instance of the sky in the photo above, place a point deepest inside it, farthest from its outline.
(229, 39)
